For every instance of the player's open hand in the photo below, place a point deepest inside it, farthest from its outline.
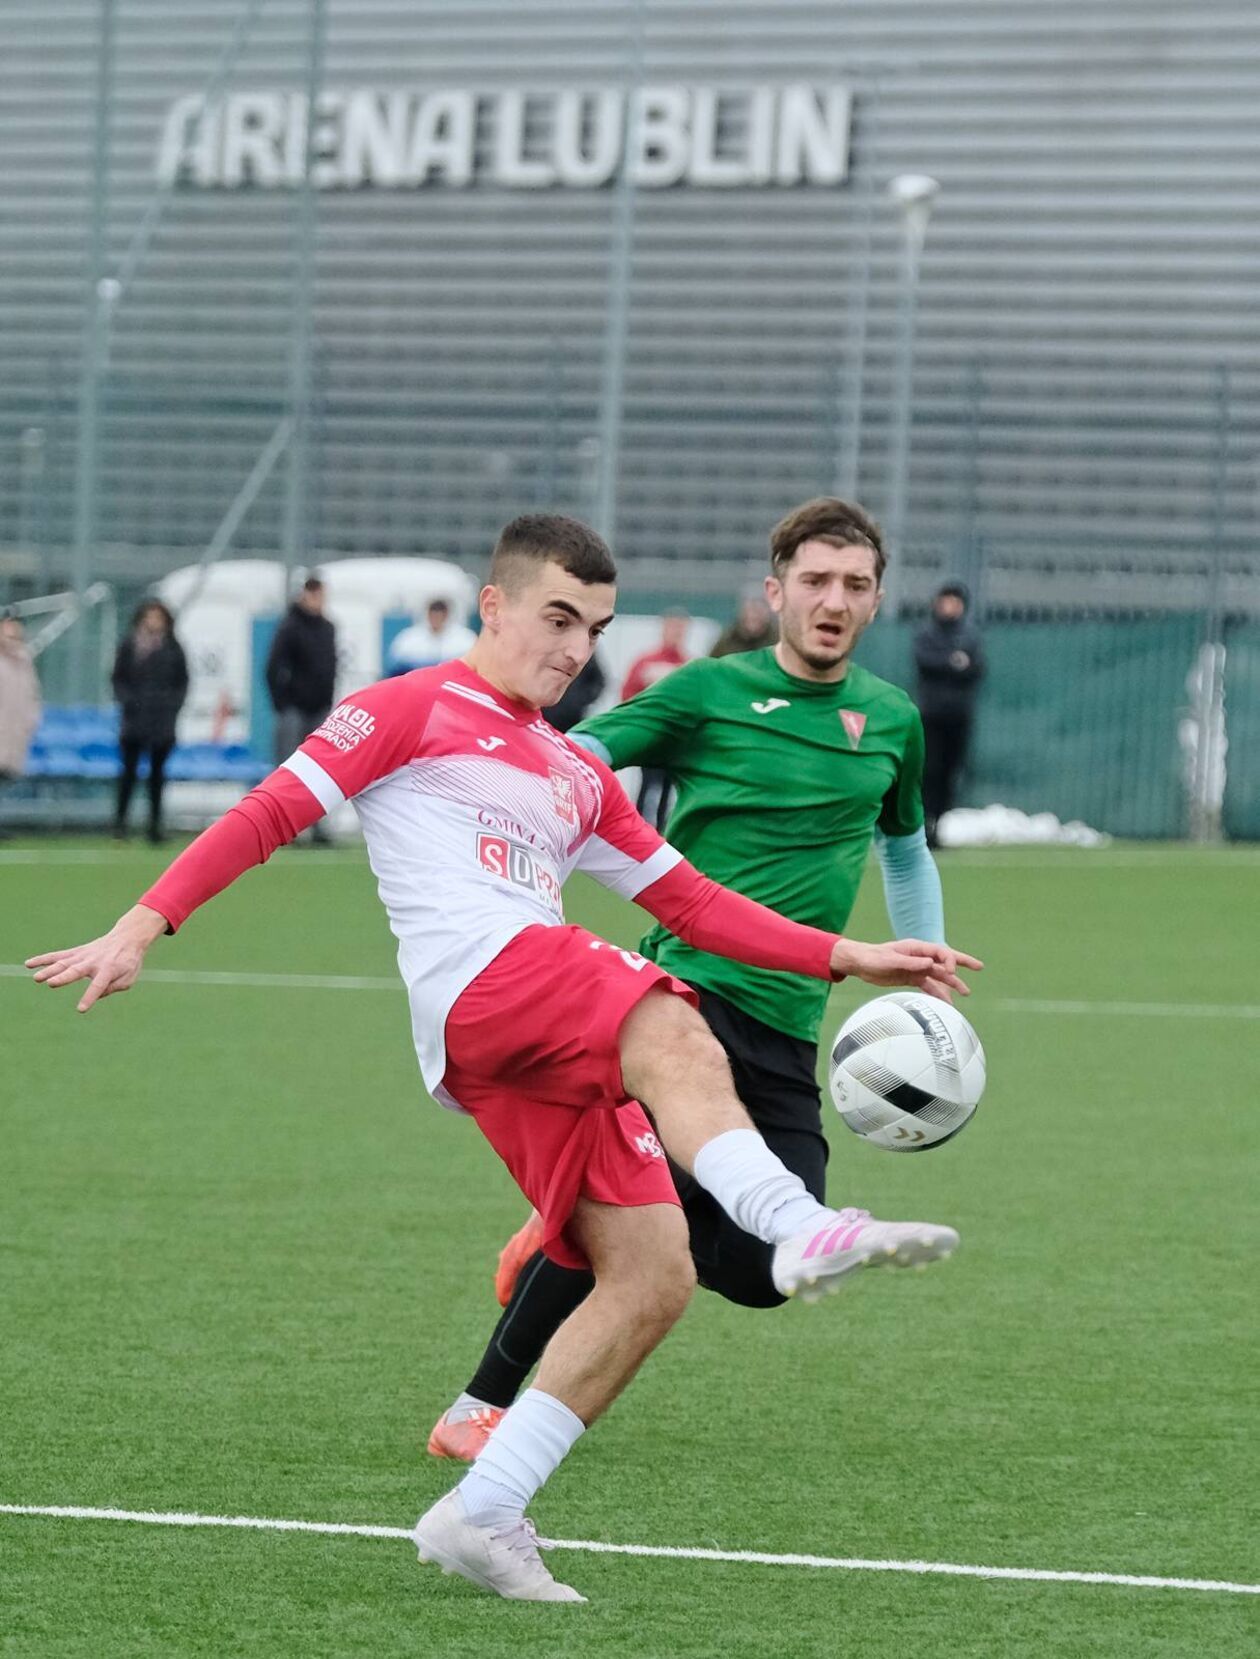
(111, 963)
(928, 967)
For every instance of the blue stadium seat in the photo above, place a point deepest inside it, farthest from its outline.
(79, 742)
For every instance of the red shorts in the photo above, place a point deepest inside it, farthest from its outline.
(532, 1055)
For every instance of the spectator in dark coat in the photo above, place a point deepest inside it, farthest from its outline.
(753, 629)
(585, 688)
(150, 682)
(949, 659)
(302, 669)
(301, 674)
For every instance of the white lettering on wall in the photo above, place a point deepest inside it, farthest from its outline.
(511, 165)
(706, 137)
(589, 135)
(442, 138)
(374, 138)
(813, 135)
(660, 141)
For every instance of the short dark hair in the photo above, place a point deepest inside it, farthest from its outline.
(313, 584)
(147, 605)
(529, 541)
(826, 518)
(438, 605)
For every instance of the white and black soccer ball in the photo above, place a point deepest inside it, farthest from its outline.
(906, 1071)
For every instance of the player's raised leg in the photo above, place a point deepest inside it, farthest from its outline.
(643, 1281)
(672, 1062)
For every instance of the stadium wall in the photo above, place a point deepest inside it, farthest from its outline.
(1085, 412)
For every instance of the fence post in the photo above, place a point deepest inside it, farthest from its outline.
(617, 325)
(914, 195)
(547, 484)
(971, 560)
(296, 525)
(851, 378)
(96, 311)
(1207, 797)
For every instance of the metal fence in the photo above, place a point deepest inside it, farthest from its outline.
(1052, 393)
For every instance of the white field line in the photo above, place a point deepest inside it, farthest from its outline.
(53, 856)
(1098, 860)
(266, 981)
(1094, 860)
(1148, 1010)
(670, 1552)
(362, 982)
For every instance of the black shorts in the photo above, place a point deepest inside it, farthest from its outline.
(776, 1078)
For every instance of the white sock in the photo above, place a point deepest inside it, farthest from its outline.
(755, 1188)
(529, 1445)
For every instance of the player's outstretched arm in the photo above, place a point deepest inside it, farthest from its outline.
(246, 835)
(713, 918)
(930, 967)
(112, 963)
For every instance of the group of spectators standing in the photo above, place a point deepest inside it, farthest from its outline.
(150, 685)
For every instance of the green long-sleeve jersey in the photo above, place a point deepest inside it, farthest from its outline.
(781, 784)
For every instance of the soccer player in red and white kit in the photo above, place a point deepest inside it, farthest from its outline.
(475, 811)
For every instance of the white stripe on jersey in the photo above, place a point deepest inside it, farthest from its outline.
(474, 696)
(313, 775)
(616, 870)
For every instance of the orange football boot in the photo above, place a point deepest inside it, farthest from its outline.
(513, 1256)
(464, 1439)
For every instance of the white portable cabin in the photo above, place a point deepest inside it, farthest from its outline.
(371, 600)
(226, 613)
(215, 612)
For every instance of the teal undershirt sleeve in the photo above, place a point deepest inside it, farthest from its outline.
(592, 745)
(912, 886)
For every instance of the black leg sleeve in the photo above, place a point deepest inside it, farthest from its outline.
(544, 1297)
(730, 1261)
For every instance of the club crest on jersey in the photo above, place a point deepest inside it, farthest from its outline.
(562, 794)
(854, 724)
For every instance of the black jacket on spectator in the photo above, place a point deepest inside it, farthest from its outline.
(584, 689)
(735, 637)
(302, 662)
(150, 688)
(949, 658)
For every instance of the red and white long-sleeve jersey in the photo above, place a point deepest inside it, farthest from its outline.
(474, 811)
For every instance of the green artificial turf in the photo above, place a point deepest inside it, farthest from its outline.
(244, 1263)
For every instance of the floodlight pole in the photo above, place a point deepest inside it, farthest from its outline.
(1207, 783)
(853, 378)
(914, 195)
(98, 303)
(617, 325)
(296, 527)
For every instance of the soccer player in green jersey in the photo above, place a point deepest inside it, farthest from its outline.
(788, 762)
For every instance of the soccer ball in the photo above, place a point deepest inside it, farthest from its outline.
(906, 1071)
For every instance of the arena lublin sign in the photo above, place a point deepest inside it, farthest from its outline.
(703, 136)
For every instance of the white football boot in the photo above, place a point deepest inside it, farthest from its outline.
(503, 1559)
(813, 1263)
